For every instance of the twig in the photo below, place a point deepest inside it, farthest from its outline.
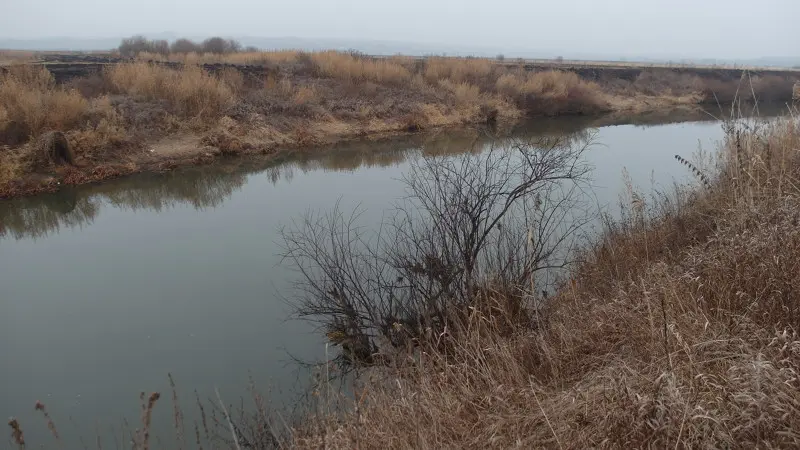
(228, 418)
(552, 430)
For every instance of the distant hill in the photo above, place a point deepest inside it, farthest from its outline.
(376, 47)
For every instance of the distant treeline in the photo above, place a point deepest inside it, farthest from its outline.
(217, 45)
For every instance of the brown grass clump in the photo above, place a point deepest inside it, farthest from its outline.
(32, 103)
(457, 70)
(233, 78)
(190, 91)
(16, 56)
(677, 329)
(465, 93)
(10, 167)
(357, 69)
(104, 129)
(552, 92)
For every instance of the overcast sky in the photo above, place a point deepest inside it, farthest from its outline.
(690, 28)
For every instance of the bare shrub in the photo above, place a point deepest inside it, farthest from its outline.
(137, 44)
(219, 46)
(471, 223)
(184, 46)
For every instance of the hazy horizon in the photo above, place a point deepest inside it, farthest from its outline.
(732, 29)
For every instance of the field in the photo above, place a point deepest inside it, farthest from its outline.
(154, 111)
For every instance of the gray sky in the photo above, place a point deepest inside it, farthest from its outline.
(690, 28)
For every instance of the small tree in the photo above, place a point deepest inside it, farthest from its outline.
(133, 45)
(185, 46)
(161, 47)
(215, 45)
(218, 45)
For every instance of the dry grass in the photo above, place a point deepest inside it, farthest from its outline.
(243, 58)
(32, 103)
(465, 93)
(552, 92)
(458, 70)
(16, 56)
(352, 68)
(190, 91)
(677, 330)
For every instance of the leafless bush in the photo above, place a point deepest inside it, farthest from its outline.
(503, 220)
(218, 45)
(138, 44)
(184, 46)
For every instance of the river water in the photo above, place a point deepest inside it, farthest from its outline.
(104, 289)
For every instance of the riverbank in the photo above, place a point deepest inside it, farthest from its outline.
(144, 116)
(677, 329)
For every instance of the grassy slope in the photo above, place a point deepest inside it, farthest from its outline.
(139, 116)
(676, 331)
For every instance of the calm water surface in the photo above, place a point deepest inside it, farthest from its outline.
(105, 289)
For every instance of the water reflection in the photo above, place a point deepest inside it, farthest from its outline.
(210, 186)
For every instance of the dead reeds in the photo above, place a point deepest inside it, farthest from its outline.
(190, 91)
(30, 103)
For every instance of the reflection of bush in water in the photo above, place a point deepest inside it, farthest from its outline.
(199, 188)
(38, 216)
(396, 151)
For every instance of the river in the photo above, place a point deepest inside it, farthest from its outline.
(106, 288)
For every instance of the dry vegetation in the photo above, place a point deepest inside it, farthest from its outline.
(284, 99)
(677, 329)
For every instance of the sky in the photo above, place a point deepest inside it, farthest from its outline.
(686, 28)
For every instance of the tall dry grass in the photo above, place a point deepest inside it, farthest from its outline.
(551, 92)
(242, 58)
(16, 56)
(353, 68)
(30, 103)
(458, 70)
(678, 330)
(190, 91)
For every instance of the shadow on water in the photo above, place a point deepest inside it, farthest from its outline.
(209, 186)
